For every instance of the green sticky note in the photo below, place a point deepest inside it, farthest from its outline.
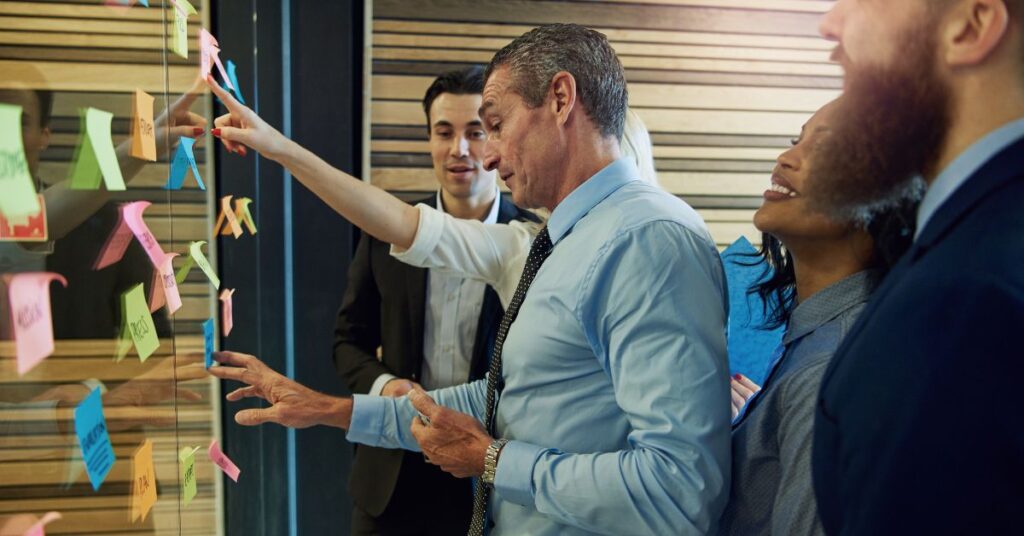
(19, 198)
(95, 157)
(138, 322)
(195, 251)
(187, 462)
(179, 39)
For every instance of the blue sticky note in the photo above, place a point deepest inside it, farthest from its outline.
(234, 81)
(184, 158)
(750, 345)
(91, 428)
(208, 341)
(144, 2)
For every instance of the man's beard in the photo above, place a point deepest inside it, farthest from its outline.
(889, 128)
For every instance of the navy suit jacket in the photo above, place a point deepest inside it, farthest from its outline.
(918, 427)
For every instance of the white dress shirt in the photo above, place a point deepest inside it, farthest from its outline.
(451, 317)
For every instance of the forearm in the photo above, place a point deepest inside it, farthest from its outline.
(373, 210)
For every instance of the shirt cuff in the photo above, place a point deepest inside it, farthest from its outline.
(380, 382)
(513, 478)
(428, 234)
(367, 418)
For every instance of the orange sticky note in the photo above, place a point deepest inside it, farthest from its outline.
(227, 221)
(227, 311)
(143, 130)
(29, 297)
(243, 214)
(143, 481)
(165, 287)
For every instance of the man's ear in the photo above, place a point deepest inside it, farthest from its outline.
(563, 95)
(972, 30)
(44, 138)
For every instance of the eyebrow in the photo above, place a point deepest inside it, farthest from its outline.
(446, 123)
(484, 109)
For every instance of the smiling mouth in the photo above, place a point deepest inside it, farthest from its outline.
(460, 169)
(781, 186)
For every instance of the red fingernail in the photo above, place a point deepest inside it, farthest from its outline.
(736, 376)
(242, 151)
(215, 132)
(198, 130)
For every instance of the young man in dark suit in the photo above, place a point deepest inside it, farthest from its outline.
(432, 328)
(917, 430)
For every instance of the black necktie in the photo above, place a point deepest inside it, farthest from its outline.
(539, 252)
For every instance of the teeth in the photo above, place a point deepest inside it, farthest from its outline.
(782, 190)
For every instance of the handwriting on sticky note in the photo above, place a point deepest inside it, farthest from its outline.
(209, 52)
(95, 158)
(227, 314)
(130, 223)
(179, 39)
(165, 287)
(39, 528)
(19, 193)
(227, 221)
(184, 159)
(143, 481)
(137, 322)
(208, 341)
(28, 295)
(143, 131)
(187, 462)
(196, 257)
(221, 460)
(93, 439)
(232, 76)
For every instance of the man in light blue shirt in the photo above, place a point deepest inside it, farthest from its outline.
(614, 412)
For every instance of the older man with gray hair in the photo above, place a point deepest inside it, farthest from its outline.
(606, 408)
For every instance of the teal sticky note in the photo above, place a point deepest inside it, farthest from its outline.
(234, 81)
(93, 438)
(208, 341)
(184, 158)
(144, 2)
(750, 345)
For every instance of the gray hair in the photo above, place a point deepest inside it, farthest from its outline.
(536, 56)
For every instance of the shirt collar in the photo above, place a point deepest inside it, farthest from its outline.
(587, 195)
(961, 169)
(492, 215)
(829, 303)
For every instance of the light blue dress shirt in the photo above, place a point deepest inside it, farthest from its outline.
(616, 399)
(965, 165)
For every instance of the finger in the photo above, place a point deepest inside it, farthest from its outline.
(235, 359)
(185, 101)
(233, 135)
(233, 105)
(419, 431)
(226, 121)
(252, 417)
(748, 383)
(189, 358)
(423, 403)
(243, 392)
(190, 373)
(229, 373)
(189, 395)
(737, 400)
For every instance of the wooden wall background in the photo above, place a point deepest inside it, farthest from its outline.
(722, 85)
(93, 55)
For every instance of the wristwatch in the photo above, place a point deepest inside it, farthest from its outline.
(491, 461)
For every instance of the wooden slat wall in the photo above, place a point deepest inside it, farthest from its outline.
(722, 85)
(93, 55)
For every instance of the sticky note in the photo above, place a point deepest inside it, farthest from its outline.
(19, 199)
(196, 256)
(750, 346)
(221, 460)
(179, 38)
(165, 287)
(187, 462)
(95, 158)
(227, 314)
(29, 229)
(184, 158)
(243, 215)
(137, 322)
(144, 2)
(209, 55)
(130, 223)
(227, 221)
(208, 341)
(39, 529)
(234, 81)
(143, 481)
(91, 429)
(28, 295)
(143, 130)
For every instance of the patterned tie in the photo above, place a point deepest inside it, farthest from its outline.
(539, 252)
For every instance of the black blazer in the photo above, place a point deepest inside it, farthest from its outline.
(918, 427)
(384, 306)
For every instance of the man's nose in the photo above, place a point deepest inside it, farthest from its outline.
(491, 158)
(460, 147)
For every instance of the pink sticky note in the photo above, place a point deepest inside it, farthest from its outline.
(227, 311)
(165, 288)
(29, 297)
(129, 224)
(221, 460)
(115, 246)
(39, 528)
(209, 54)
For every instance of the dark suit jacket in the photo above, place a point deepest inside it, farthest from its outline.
(384, 305)
(918, 428)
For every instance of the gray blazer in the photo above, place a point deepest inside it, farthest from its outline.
(772, 492)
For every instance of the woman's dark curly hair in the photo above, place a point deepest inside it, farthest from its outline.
(891, 230)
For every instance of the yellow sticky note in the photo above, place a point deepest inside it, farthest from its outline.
(243, 215)
(187, 461)
(227, 215)
(95, 157)
(179, 38)
(143, 130)
(143, 481)
(19, 199)
(137, 323)
(195, 250)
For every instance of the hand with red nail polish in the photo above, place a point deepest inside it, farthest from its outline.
(241, 127)
(179, 121)
(742, 389)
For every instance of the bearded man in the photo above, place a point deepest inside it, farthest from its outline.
(915, 429)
